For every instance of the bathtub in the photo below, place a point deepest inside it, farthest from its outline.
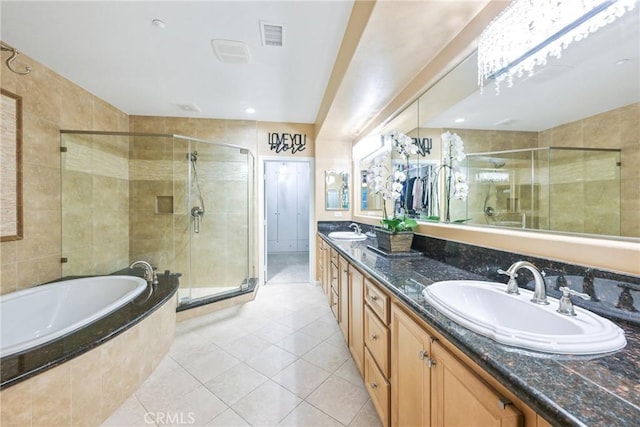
(37, 315)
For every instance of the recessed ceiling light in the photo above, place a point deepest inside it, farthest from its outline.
(622, 61)
(159, 24)
(250, 110)
(459, 120)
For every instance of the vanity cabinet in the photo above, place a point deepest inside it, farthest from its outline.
(322, 265)
(376, 348)
(343, 297)
(356, 317)
(413, 375)
(431, 386)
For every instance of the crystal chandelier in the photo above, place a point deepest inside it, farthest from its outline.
(527, 32)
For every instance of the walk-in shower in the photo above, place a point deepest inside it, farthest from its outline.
(559, 189)
(183, 204)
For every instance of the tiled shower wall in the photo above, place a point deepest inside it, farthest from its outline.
(95, 204)
(50, 103)
(218, 254)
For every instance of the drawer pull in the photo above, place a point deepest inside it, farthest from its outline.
(422, 355)
(431, 363)
(374, 337)
(374, 385)
(374, 297)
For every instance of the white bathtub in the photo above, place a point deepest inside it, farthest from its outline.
(41, 314)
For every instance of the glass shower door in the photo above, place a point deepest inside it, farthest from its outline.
(215, 216)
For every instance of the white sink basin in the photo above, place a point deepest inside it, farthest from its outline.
(347, 235)
(485, 307)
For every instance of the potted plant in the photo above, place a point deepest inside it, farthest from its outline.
(395, 233)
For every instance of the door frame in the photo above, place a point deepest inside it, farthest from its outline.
(262, 200)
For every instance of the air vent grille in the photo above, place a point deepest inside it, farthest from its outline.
(272, 34)
(231, 51)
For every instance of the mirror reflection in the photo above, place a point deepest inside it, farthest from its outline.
(559, 150)
(336, 190)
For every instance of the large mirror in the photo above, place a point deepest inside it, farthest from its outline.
(559, 150)
(336, 190)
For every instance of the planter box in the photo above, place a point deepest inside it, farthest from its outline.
(394, 242)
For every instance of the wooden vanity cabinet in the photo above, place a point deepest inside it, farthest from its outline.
(376, 348)
(343, 296)
(356, 317)
(430, 386)
(323, 268)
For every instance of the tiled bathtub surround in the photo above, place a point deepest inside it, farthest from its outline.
(80, 379)
(566, 390)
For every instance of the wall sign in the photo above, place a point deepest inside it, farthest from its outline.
(424, 145)
(283, 142)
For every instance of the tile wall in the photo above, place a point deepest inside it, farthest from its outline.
(50, 103)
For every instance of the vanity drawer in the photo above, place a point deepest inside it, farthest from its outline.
(377, 300)
(333, 302)
(376, 339)
(334, 256)
(378, 388)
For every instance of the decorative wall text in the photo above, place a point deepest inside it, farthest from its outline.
(280, 142)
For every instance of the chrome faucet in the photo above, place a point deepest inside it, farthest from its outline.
(150, 274)
(540, 292)
(356, 228)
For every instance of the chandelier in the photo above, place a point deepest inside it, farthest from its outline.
(527, 32)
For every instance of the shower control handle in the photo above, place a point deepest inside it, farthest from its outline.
(197, 212)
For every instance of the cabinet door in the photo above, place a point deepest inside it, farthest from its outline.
(326, 271)
(356, 317)
(333, 284)
(410, 375)
(343, 293)
(460, 398)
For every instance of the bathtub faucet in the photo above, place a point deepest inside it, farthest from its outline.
(150, 274)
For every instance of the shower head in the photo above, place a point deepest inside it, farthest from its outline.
(498, 163)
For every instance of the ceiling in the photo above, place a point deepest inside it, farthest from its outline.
(113, 50)
(594, 75)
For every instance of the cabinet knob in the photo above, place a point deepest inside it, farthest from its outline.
(422, 355)
(431, 363)
(374, 385)
(374, 337)
(374, 297)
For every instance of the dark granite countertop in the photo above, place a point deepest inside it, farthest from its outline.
(20, 366)
(602, 390)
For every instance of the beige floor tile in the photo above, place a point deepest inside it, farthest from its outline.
(235, 383)
(130, 414)
(327, 356)
(309, 416)
(339, 398)
(195, 408)
(187, 347)
(221, 334)
(338, 340)
(206, 366)
(298, 343)
(273, 331)
(349, 371)
(367, 417)
(160, 390)
(271, 360)
(228, 419)
(246, 347)
(301, 378)
(321, 328)
(267, 405)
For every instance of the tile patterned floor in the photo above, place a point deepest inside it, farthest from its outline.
(291, 267)
(277, 361)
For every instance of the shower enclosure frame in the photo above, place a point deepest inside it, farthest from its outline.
(535, 175)
(250, 274)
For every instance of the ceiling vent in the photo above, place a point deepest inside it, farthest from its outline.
(271, 34)
(191, 108)
(231, 52)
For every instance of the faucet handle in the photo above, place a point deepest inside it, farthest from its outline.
(512, 285)
(507, 273)
(565, 306)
